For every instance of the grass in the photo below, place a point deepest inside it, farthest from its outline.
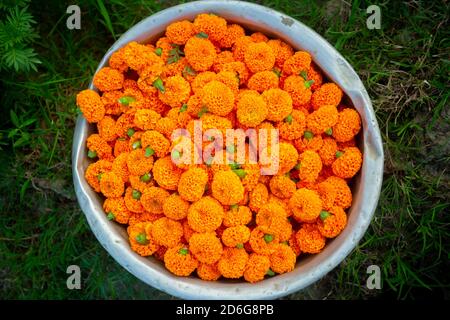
(404, 67)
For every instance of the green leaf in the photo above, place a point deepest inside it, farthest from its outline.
(202, 35)
(183, 251)
(23, 189)
(183, 107)
(14, 118)
(158, 51)
(106, 18)
(324, 214)
(309, 83)
(149, 152)
(339, 154)
(308, 135)
(303, 74)
(158, 84)
(270, 273)
(240, 173)
(288, 119)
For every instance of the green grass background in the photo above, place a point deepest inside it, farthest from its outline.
(404, 66)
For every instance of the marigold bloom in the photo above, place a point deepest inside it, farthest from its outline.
(116, 210)
(251, 110)
(227, 187)
(205, 215)
(269, 214)
(259, 37)
(328, 151)
(332, 222)
(179, 32)
(166, 47)
(140, 183)
(91, 105)
(146, 119)
(279, 103)
(176, 91)
(140, 241)
(111, 185)
(310, 166)
(322, 119)
(234, 32)
(200, 53)
(309, 239)
(208, 272)
(95, 143)
(148, 75)
(107, 128)
(137, 163)
(297, 63)
(259, 57)
(175, 207)
(191, 185)
(108, 79)
(348, 164)
(347, 126)
(153, 198)
(167, 232)
(344, 194)
(124, 123)
(283, 259)
(187, 231)
(327, 193)
(282, 51)
(305, 205)
(166, 126)
(96, 169)
(217, 98)
(327, 94)
(214, 26)
(154, 140)
(234, 236)
(132, 200)
(256, 267)
(137, 56)
(293, 126)
(237, 216)
(230, 79)
(262, 242)
(233, 262)
(240, 47)
(117, 61)
(282, 186)
(315, 75)
(239, 68)
(288, 157)
(314, 144)
(166, 173)
(262, 81)
(298, 89)
(206, 247)
(180, 261)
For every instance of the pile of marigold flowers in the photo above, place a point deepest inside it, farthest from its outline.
(215, 219)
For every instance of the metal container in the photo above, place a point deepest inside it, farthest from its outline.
(366, 188)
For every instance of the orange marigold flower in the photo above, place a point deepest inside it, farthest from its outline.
(124, 123)
(297, 63)
(153, 198)
(347, 126)
(315, 75)
(176, 91)
(208, 272)
(305, 205)
(205, 215)
(121, 145)
(328, 151)
(309, 142)
(322, 120)
(240, 47)
(283, 259)
(217, 98)
(214, 26)
(110, 100)
(233, 262)
(187, 230)
(154, 142)
(259, 57)
(327, 193)
(137, 56)
(179, 32)
(200, 53)
(167, 232)
(221, 59)
(138, 163)
(298, 89)
(111, 185)
(235, 236)
(175, 207)
(309, 239)
(227, 187)
(117, 61)
(166, 173)
(201, 80)
(262, 81)
(180, 261)
(234, 32)
(282, 51)
(344, 194)
(140, 183)
(230, 79)
(239, 68)
(288, 157)
(348, 163)
(259, 37)
(146, 119)
(327, 94)
(166, 126)
(251, 110)
(107, 128)
(165, 45)
(279, 104)
(195, 105)
(206, 247)
(96, 169)
(116, 210)
(294, 244)
(132, 200)
(99, 147)
(256, 267)
(192, 184)
(148, 75)
(310, 166)
(293, 126)
(332, 222)
(282, 186)
(140, 240)
(262, 241)
(108, 79)
(236, 216)
(91, 105)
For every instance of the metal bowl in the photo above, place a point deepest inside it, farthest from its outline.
(366, 188)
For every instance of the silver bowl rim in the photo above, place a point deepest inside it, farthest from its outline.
(308, 270)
